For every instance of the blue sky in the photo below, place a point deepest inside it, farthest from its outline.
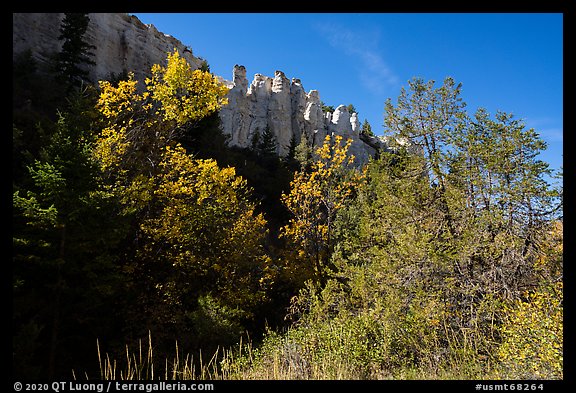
(508, 62)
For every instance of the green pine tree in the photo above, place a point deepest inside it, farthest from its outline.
(66, 228)
(366, 128)
(303, 153)
(76, 52)
(255, 140)
(290, 159)
(268, 146)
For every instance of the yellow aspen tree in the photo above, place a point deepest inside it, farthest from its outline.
(196, 231)
(314, 200)
(139, 125)
(206, 225)
(185, 95)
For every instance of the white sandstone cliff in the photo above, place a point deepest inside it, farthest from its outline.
(123, 42)
(285, 107)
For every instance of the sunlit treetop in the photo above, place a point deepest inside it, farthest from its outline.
(185, 95)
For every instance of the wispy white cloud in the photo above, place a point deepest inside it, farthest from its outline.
(374, 73)
(552, 134)
(549, 128)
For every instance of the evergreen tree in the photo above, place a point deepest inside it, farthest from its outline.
(268, 146)
(36, 98)
(76, 52)
(303, 153)
(426, 116)
(255, 140)
(366, 128)
(205, 139)
(264, 144)
(326, 108)
(205, 67)
(65, 237)
(290, 159)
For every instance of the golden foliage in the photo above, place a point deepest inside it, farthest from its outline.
(315, 199)
(205, 221)
(140, 125)
(192, 215)
(533, 335)
(114, 101)
(185, 95)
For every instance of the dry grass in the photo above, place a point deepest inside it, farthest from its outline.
(140, 365)
(283, 360)
(242, 363)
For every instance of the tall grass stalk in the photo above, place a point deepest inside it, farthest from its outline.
(284, 359)
(141, 367)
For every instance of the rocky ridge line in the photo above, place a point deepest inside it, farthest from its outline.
(124, 43)
(285, 107)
